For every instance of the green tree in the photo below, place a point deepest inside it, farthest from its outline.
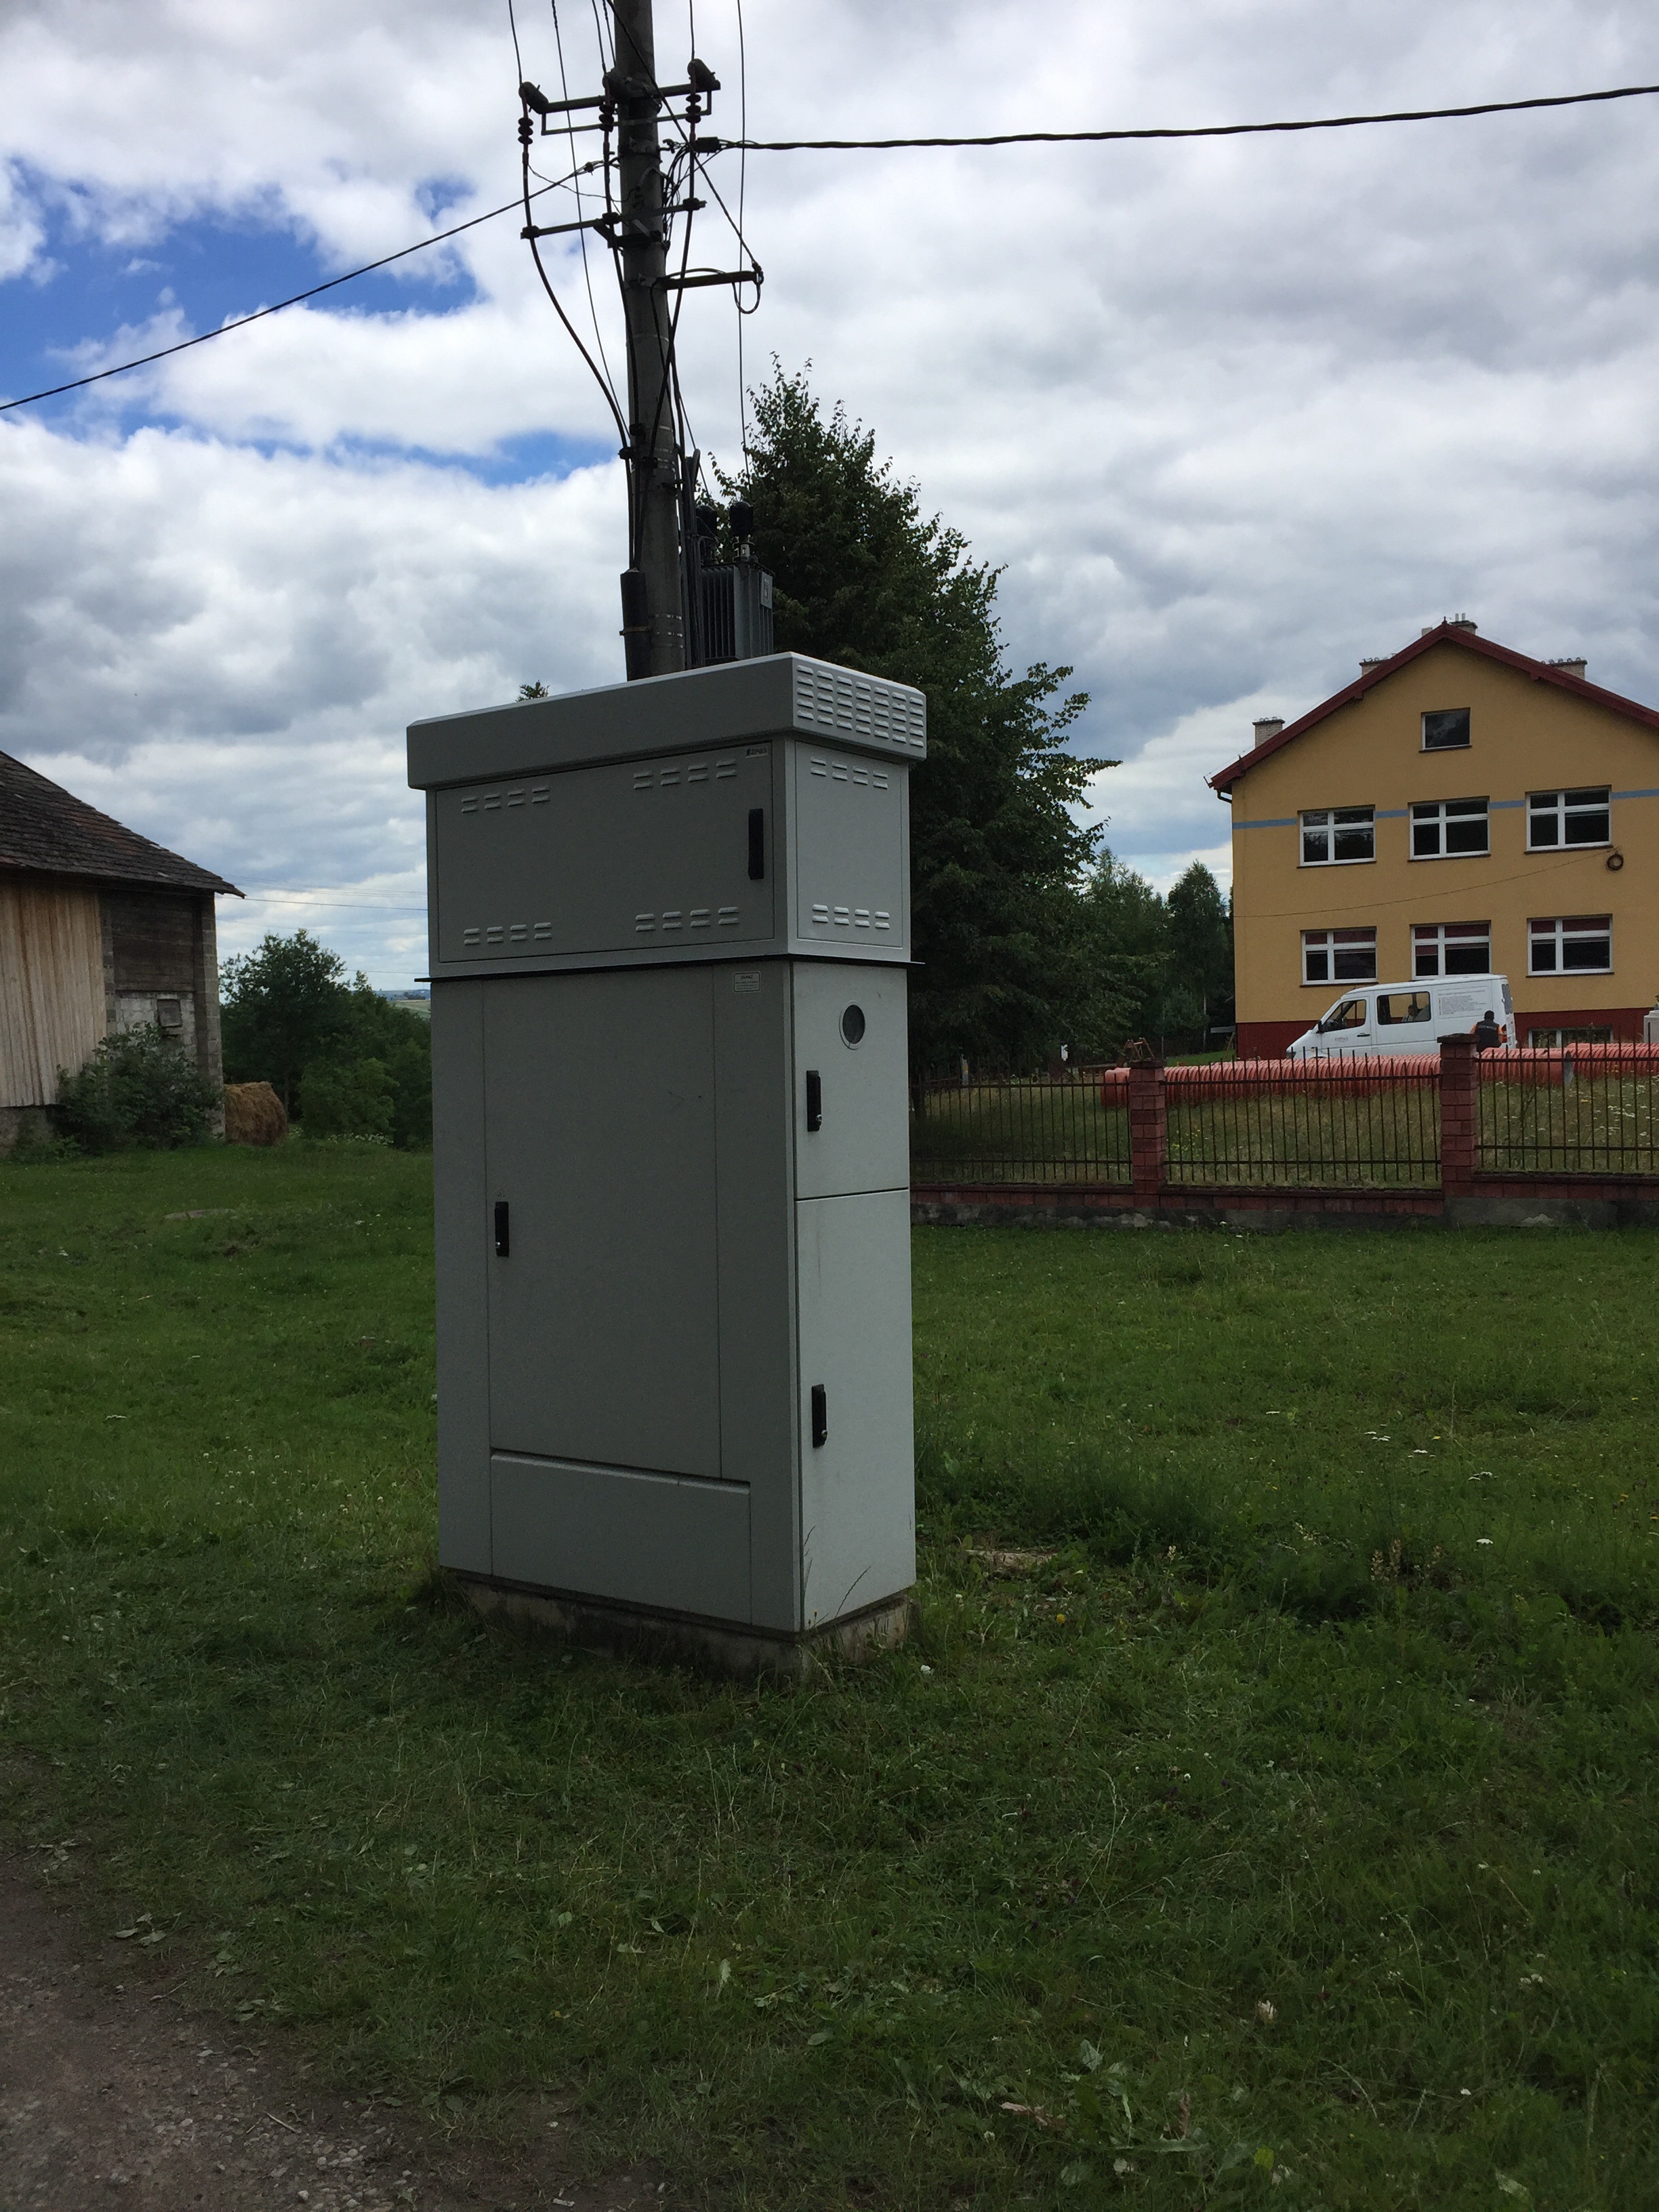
(862, 577)
(1121, 960)
(284, 1005)
(1198, 990)
(354, 1100)
(292, 1020)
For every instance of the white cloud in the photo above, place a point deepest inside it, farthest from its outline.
(1233, 414)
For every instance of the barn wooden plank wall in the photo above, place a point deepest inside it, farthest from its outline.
(51, 987)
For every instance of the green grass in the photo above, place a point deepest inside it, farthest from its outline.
(1296, 1818)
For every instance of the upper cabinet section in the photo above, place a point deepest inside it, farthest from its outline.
(780, 828)
(784, 695)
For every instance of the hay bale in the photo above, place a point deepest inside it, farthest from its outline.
(254, 1115)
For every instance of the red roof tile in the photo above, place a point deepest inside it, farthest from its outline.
(47, 828)
(1468, 641)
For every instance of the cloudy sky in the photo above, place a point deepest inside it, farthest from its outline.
(1231, 414)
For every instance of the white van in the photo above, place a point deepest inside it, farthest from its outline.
(1407, 1016)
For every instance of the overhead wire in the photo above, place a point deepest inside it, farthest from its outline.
(294, 299)
(748, 145)
(588, 274)
(1191, 131)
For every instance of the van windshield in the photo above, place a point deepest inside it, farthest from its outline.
(1350, 1015)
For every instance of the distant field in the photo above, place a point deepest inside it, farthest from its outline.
(1263, 1814)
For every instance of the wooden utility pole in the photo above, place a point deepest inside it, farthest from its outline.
(653, 625)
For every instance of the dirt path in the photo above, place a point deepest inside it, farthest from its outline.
(113, 2089)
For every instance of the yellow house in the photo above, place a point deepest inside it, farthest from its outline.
(1459, 810)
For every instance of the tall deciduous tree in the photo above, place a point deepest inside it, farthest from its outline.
(284, 1005)
(862, 577)
(339, 1054)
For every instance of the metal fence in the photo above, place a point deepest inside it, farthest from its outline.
(1281, 1124)
(1590, 1109)
(1041, 1131)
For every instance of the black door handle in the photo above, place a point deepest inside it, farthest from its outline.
(814, 1099)
(502, 1241)
(757, 844)
(820, 1415)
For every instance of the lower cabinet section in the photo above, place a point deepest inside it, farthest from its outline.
(857, 1470)
(668, 1542)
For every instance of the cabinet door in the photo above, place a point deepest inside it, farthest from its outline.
(599, 1136)
(850, 1079)
(857, 1456)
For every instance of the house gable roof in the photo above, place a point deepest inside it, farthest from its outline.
(48, 830)
(1445, 633)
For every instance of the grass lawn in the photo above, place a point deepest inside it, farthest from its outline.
(1288, 1836)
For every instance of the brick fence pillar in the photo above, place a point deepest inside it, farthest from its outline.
(1148, 1133)
(1460, 1077)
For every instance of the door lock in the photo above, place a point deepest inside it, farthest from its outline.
(814, 1099)
(503, 1242)
(820, 1416)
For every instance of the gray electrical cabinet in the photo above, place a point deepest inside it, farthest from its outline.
(669, 929)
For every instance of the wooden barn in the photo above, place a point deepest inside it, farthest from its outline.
(100, 931)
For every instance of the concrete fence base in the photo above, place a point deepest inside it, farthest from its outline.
(1494, 1202)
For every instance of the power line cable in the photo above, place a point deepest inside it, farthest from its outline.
(848, 145)
(258, 315)
(588, 274)
(1194, 131)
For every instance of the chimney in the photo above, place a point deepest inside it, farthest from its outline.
(1572, 665)
(1450, 622)
(1268, 726)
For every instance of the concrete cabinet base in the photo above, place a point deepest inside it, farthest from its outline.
(674, 1307)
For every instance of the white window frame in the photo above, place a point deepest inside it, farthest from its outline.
(1325, 944)
(1459, 745)
(1559, 807)
(1325, 824)
(1432, 936)
(1435, 811)
(1557, 932)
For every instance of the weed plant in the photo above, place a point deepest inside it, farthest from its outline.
(1262, 1813)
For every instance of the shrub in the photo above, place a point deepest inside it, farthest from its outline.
(137, 1089)
(356, 1100)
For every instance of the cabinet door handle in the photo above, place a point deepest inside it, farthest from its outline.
(757, 844)
(503, 1242)
(814, 1099)
(820, 1416)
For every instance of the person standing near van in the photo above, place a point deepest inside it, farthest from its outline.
(1487, 1035)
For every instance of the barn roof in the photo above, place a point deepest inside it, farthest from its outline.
(1468, 640)
(49, 830)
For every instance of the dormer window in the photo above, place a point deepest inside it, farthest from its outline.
(1331, 835)
(1445, 729)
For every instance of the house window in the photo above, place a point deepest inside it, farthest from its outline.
(1568, 818)
(169, 1014)
(1334, 834)
(1553, 1040)
(1445, 828)
(1580, 944)
(1451, 948)
(1446, 729)
(1339, 956)
(1395, 1007)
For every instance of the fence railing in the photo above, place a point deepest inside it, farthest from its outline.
(1372, 1122)
(1588, 1109)
(1275, 1124)
(1044, 1131)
